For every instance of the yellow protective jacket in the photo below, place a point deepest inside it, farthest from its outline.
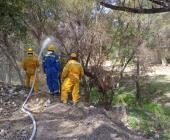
(72, 70)
(30, 63)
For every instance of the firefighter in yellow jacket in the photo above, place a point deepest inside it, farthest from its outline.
(71, 76)
(30, 64)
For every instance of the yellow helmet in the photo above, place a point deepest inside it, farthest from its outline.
(51, 47)
(73, 55)
(30, 51)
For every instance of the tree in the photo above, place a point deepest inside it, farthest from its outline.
(12, 29)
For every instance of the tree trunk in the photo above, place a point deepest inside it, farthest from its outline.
(87, 91)
(164, 61)
(2, 72)
(9, 73)
(163, 56)
(138, 93)
(8, 52)
(6, 73)
(14, 63)
(125, 65)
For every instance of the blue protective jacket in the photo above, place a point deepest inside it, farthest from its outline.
(51, 67)
(51, 63)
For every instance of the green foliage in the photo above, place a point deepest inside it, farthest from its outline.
(133, 122)
(28, 42)
(160, 116)
(11, 17)
(124, 97)
(95, 96)
(140, 120)
(167, 111)
(153, 107)
(151, 120)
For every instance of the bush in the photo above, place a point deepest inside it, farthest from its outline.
(95, 96)
(133, 122)
(124, 97)
(151, 119)
(153, 107)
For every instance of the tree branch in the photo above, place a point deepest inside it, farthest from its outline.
(136, 10)
(158, 2)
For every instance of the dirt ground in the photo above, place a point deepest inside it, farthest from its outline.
(160, 70)
(57, 121)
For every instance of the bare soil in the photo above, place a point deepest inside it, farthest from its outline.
(57, 121)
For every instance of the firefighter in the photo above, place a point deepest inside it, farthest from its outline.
(71, 76)
(51, 67)
(30, 64)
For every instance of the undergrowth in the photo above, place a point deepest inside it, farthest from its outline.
(151, 118)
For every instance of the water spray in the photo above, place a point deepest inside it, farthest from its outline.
(44, 45)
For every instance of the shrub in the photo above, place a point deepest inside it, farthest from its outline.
(95, 96)
(124, 97)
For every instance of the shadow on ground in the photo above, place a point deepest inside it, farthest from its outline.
(158, 89)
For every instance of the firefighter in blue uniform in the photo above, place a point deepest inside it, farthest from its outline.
(51, 67)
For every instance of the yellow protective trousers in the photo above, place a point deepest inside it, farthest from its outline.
(30, 80)
(70, 85)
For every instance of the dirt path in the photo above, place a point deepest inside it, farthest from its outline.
(63, 122)
(57, 121)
